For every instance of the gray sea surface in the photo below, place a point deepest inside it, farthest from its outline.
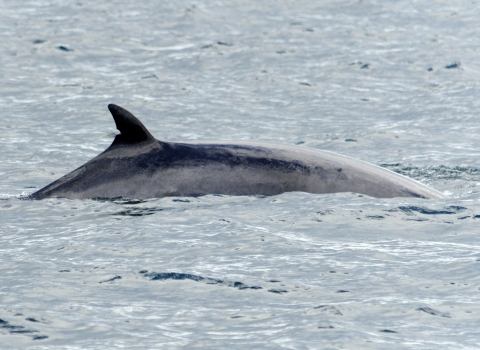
(394, 83)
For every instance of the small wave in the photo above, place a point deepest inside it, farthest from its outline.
(453, 209)
(154, 276)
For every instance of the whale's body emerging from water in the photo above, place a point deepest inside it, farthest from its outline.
(136, 165)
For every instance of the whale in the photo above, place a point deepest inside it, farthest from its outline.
(136, 165)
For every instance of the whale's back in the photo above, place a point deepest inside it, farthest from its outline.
(138, 166)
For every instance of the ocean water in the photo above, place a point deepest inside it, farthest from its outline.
(394, 83)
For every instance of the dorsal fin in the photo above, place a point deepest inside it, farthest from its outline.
(131, 129)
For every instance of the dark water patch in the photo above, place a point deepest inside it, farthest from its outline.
(128, 201)
(325, 327)
(20, 330)
(365, 66)
(375, 217)
(31, 319)
(329, 309)
(137, 212)
(453, 209)
(306, 84)
(309, 30)
(39, 41)
(150, 76)
(253, 287)
(433, 312)
(64, 48)
(430, 69)
(463, 217)
(476, 216)
(207, 46)
(387, 331)
(39, 337)
(281, 52)
(119, 200)
(13, 329)
(224, 43)
(180, 200)
(453, 65)
(154, 276)
(274, 281)
(112, 279)
(278, 291)
(63, 270)
(237, 316)
(342, 291)
(350, 140)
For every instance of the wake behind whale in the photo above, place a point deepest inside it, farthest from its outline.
(136, 165)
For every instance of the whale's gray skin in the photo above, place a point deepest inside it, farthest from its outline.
(136, 165)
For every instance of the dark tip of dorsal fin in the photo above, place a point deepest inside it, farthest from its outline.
(131, 129)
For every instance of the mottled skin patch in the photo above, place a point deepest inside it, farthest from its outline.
(137, 165)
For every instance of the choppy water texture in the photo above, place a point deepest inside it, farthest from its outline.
(395, 83)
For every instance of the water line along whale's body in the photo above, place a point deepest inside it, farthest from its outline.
(136, 165)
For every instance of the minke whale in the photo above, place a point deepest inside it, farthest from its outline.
(136, 165)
